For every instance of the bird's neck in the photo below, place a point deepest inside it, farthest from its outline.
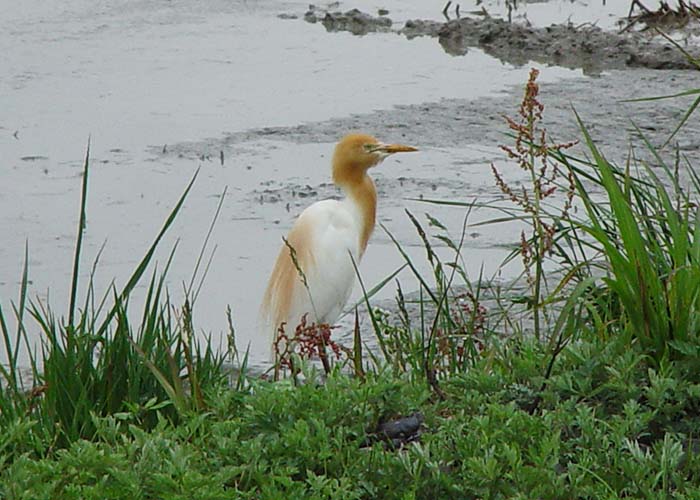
(363, 195)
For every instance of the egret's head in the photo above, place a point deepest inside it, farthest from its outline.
(356, 153)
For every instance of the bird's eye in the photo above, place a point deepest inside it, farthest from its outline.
(370, 148)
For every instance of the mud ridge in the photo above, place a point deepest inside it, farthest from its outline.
(450, 123)
(586, 46)
(354, 21)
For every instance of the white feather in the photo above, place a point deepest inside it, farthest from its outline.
(335, 236)
(326, 234)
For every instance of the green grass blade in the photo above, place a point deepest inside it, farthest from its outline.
(141, 268)
(13, 351)
(372, 316)
(662, 97)
(410, 264)
(175, 396)
(200, 257)
(79, 241)
(691, 59)
(683, 121)
(373, 291)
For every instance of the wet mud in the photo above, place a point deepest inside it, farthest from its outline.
(587, 47)
(451, 123)
(584, 46)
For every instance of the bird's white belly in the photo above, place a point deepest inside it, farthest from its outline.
(331, 275)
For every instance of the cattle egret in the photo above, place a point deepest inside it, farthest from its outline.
(322, 240)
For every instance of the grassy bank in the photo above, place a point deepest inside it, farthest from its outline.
(585, 383)
(608, 427)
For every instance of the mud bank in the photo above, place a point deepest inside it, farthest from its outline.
(451, 123)
(354, 21)
(586, 46)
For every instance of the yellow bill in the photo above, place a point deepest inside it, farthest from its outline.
(395, 148)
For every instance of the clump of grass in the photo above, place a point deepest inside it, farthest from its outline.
(648, 236)
(314, 440)
(100, 364)
(443, 338)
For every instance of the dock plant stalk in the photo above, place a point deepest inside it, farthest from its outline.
(532, 151)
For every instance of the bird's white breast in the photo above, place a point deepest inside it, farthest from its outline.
(334, 236)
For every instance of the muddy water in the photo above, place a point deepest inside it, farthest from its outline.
(167, 88)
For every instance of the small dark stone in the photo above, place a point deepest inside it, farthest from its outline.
(401, 427)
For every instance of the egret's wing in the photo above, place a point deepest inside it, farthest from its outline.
(313, 273)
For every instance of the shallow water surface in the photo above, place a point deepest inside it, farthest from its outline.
(166, 88)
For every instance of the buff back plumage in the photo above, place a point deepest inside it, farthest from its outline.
(285, 281)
